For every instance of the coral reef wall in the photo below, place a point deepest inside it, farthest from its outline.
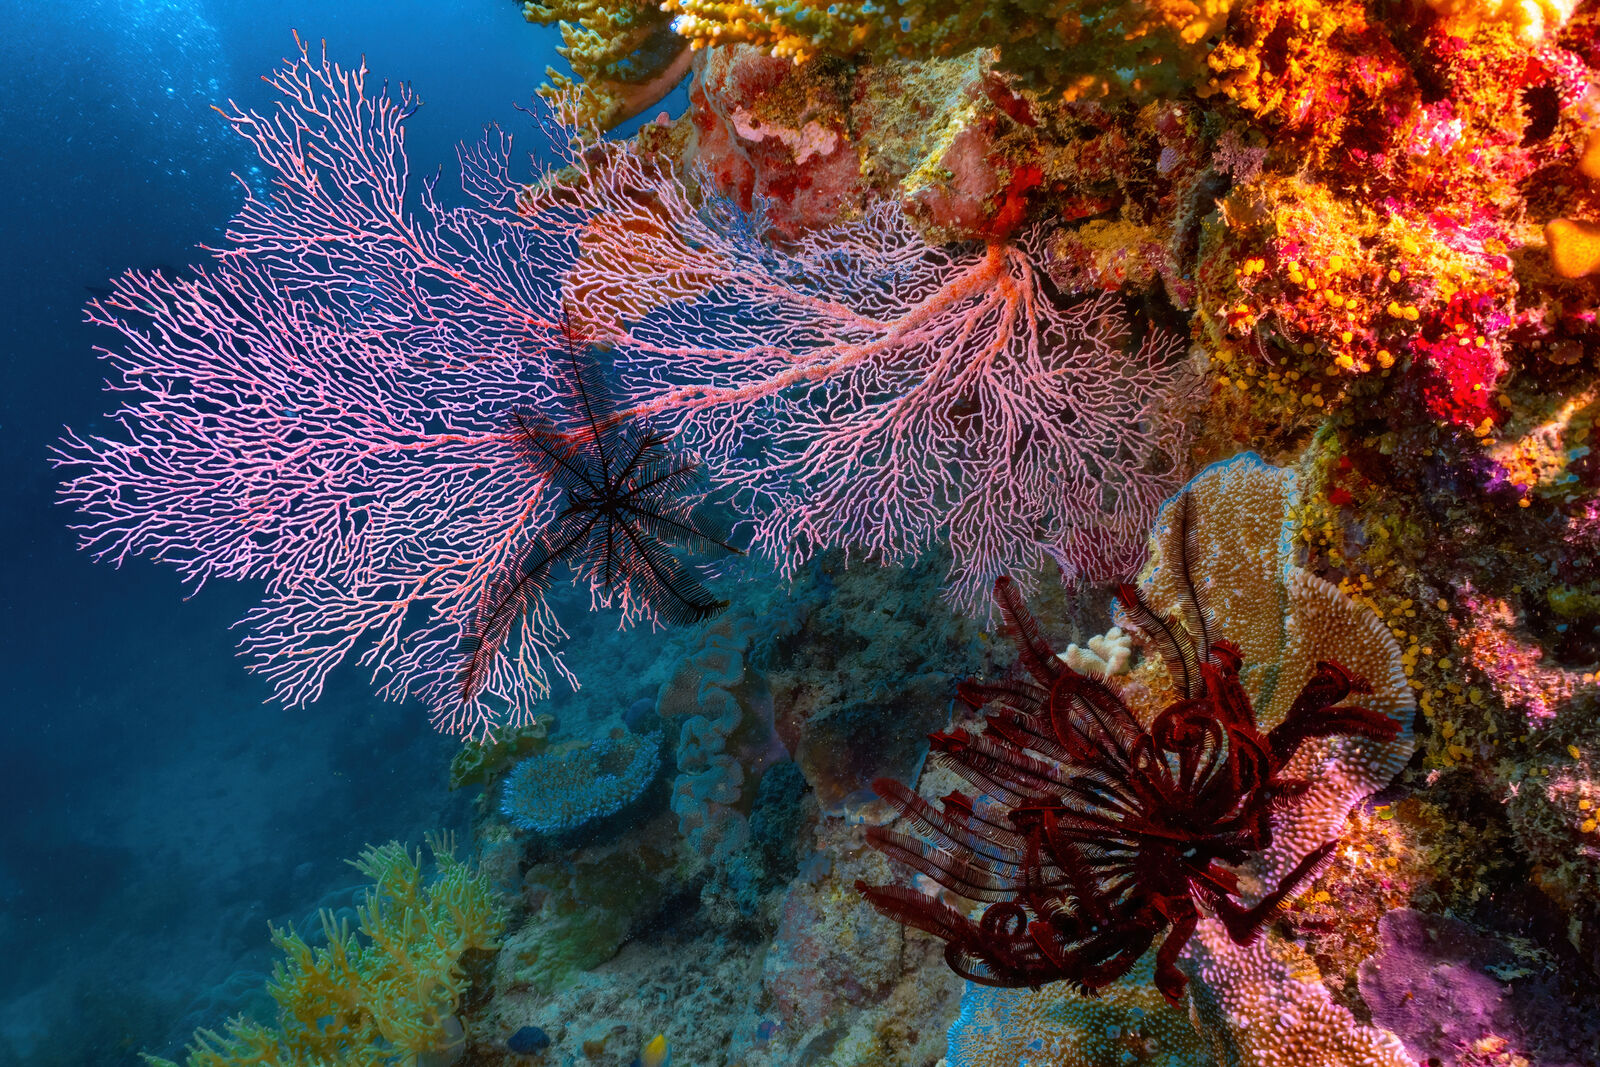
(1375, 224)
(941, 291)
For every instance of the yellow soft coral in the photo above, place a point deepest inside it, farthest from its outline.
(384, 995)
(1574, 246)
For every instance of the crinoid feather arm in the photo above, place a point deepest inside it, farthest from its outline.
(960, 876)
(665, 584)
(1017, 693)
(953, 824)
(1287, 737)
(1170, 644)
(1001, 762)
(1033, 650)
(1313, 715)
(1196, 614)
(548, 452)
(1184, 917)
(1090, 720)
(637, 459)
(918, 910)
(1244, 925)
(1021, 731)
(587, 386)
(507, 596)
(662, 474)
(697, 529)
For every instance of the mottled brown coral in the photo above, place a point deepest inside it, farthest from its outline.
(1268, 997)
(1267, 1001)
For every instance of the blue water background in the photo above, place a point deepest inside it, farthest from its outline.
(155, 814)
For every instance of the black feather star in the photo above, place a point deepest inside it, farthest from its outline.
(626, 499)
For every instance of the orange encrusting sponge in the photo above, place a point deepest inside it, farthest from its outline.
(1574, 246)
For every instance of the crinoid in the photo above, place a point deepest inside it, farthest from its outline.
(1088, 833)
(626, 498)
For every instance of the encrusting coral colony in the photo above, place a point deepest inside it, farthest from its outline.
(1251, 345)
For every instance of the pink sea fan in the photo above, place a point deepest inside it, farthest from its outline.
(864, 389)
(321, 406)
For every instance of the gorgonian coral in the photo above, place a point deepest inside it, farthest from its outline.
(625, 499)
(324, 406)
(866, 390)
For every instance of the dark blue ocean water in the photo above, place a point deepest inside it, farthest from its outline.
(155, 814)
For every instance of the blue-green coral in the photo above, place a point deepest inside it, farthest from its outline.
(559, 791)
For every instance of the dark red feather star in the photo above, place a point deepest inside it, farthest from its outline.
(1088, 835)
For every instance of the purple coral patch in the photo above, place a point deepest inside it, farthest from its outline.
(1447, 991)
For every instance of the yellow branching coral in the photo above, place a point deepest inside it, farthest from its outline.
(385, 994)
(1083, 48)
(624, 54)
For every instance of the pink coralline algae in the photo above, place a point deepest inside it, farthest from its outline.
(1515, 665)
(1453, 994)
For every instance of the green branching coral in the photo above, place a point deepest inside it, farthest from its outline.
(1081, 48)
(385, 994)
(624, 54)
